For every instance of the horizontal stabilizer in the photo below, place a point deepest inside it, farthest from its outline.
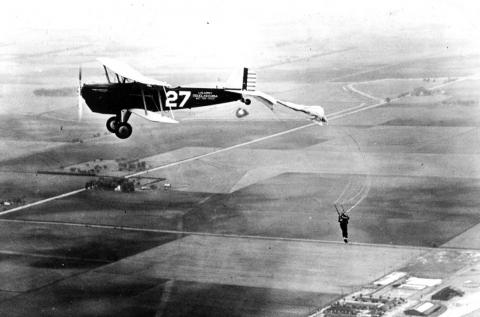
(152, 116)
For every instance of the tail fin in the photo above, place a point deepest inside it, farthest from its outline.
(242, 80)
(249, 80)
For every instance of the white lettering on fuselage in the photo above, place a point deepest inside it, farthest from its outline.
(205, 95)
(172, 97)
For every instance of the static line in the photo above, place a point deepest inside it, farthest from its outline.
(335, 115)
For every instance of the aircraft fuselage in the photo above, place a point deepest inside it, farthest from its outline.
(112, 98)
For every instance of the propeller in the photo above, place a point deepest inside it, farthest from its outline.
(80, 105)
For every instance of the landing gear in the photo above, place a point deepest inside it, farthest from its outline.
(112, 124)
(119, 125)
(124, 130)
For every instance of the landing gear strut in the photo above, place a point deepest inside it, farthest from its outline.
(119, 125)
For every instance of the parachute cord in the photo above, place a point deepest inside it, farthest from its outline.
(363, 191)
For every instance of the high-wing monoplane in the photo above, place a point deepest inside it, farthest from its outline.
(127, 91)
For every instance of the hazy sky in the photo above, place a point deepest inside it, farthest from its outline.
(227, 28)
(185, 16)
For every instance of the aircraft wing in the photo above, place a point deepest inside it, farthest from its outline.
(124, 70)
(152, 116)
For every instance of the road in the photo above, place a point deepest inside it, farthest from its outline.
(350, 86)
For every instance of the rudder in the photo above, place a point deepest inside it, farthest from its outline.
(249, 80)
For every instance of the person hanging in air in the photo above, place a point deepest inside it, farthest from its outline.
(343, 220)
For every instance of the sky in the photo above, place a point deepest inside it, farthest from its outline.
(221, 29)
(183, 16)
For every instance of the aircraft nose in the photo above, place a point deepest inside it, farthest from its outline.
(92, 95)
(84, 91)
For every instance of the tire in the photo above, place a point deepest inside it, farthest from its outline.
(112, 124)
(124, 130)
(248, 101)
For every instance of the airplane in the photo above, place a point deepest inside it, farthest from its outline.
(128, 91)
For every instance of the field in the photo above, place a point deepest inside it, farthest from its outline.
(248, 227)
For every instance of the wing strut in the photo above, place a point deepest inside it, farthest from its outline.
(160, 100)
(169, 106)
(106, 74)
(143, 99)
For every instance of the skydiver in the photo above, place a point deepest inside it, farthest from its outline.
(343, 220)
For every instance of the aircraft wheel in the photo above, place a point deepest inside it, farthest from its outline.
(248, 101)
(112, 124)
(124, 130)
